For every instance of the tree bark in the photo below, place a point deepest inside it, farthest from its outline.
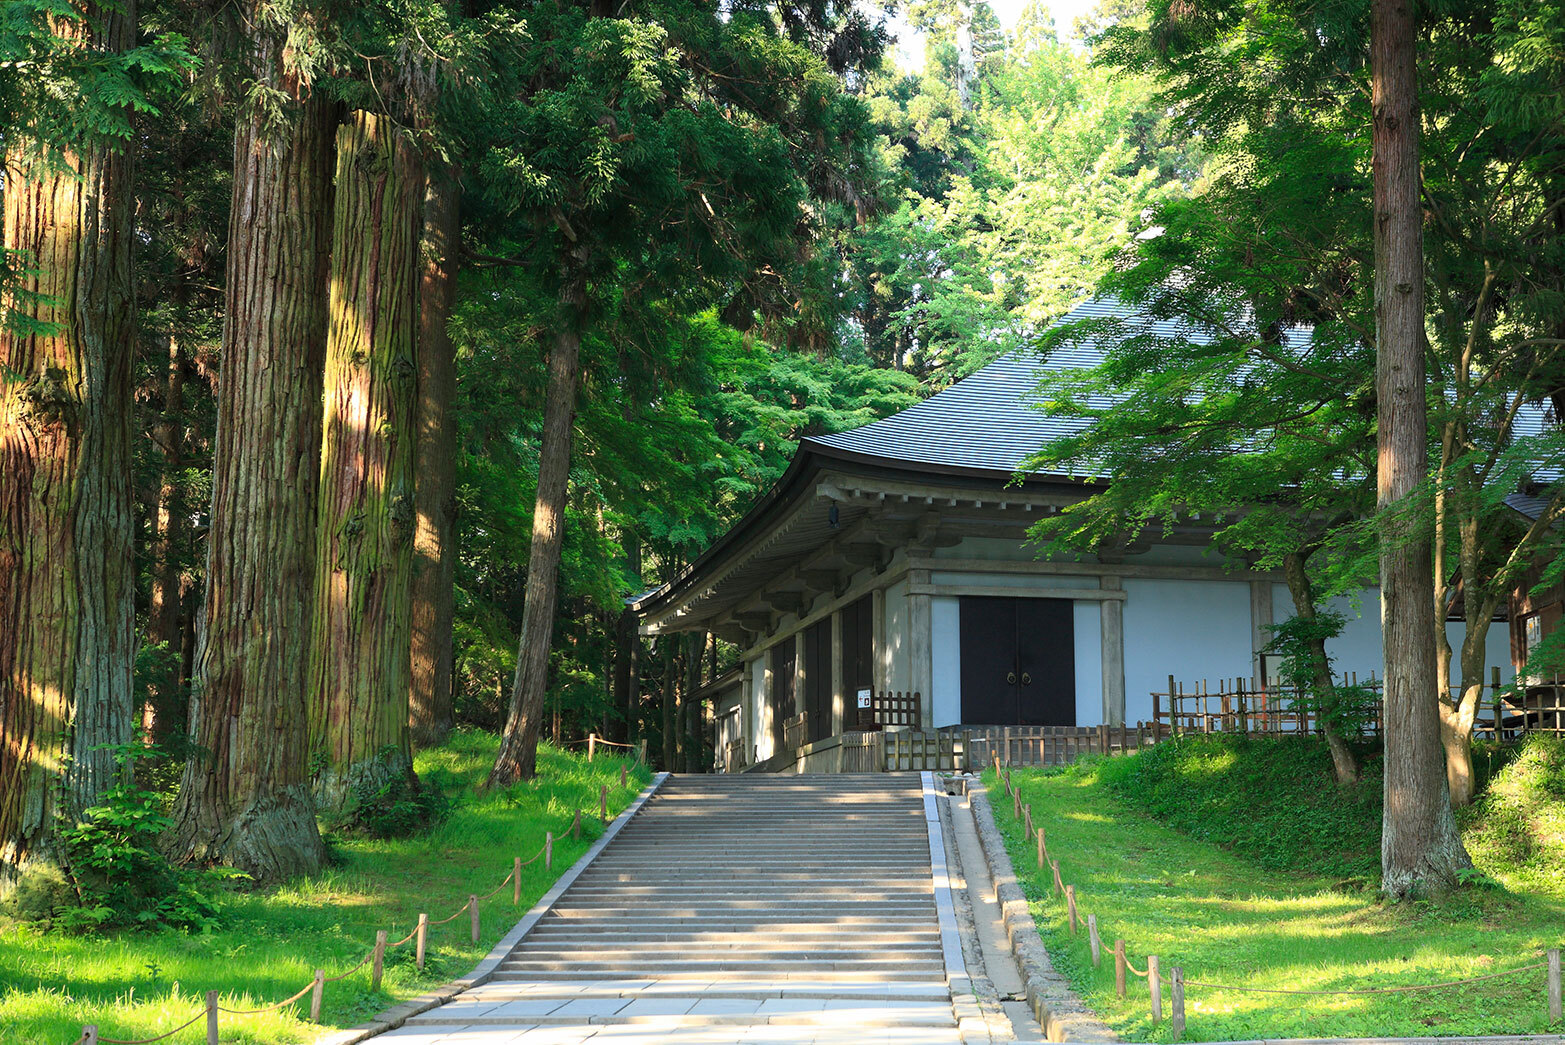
(434, 543)
(67, 617)
(1420, 849)
(627, 684)
(518, 755)
(670, 703)
(249, 802)
(361, 650)
(1344, 764)
(165, 606)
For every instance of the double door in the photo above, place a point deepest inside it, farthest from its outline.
(1018, 662)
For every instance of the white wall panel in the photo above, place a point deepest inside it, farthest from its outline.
(945, 615)
(1190, 629)
(1087, 625)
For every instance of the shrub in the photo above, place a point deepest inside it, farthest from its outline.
(397, 807)
(112, 873)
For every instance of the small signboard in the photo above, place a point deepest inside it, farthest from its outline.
(864, 698)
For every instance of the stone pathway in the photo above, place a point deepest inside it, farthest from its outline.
(737, 909)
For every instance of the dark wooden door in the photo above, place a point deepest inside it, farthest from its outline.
(858, 651)
(1045, 662)
(817, 679)
(783, 655)
(1018, 662)
(989, 684)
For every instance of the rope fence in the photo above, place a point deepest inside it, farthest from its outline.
(1175, 979)
(375, 957)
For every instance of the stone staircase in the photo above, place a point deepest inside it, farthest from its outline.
(734, 909)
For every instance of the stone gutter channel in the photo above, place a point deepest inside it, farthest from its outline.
(484, 971)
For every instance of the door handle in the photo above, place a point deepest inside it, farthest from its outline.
(1026, 678)
(1011, 678)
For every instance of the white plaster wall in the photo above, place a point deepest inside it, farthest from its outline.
(1358, 648)
(945, 619)
(1190, 629)
(897, 638)
(1087, 624)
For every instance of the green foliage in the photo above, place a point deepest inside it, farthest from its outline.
(398, 807)
(1517, 827)
(1300, 643)
(269, 942)
(118, 876)
(1265, 799)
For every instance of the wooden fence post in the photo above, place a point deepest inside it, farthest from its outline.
(624, 774)
(592, 745)
(1016, 803)
(1059, 887)
(1093, 941)
(1070, 906)
(1043, 850)
(1554, 986)
(576, 824)
(89, 1034)
(378, 963)
(1119, 967)
(516, 880)
(641, 750)
(472, 906)
(1027, 815)
(315, 994)
(419, 941)
(211, 1017)
(1176, 992)
(603, 803)
(1155, 985)
(548, 850)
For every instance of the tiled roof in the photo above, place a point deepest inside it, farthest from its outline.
(988, 421)
(984, 422)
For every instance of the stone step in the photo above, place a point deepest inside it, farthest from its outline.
(888, 975)
(910, 990)
(860, 1014)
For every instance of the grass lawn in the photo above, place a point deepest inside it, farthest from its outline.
(1228, 919)
(140, 985)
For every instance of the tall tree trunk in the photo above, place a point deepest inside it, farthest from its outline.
(1420, 849)
(669, 706)
(67, 582)
(1343, 762)
(518, 755)
(249, 802)
(165, 607)
(627, 641)
(361, 649)
(434, 546)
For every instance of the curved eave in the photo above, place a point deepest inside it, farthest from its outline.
(810, 459)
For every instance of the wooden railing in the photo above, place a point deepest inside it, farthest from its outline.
(892, 708)
(734, 755)
(1055, 745)
(796, 731)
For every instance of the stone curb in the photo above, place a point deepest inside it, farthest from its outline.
(484, 971)
(1060, 1012)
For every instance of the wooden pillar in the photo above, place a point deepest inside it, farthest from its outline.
(1112, 616)
(1260, 621)
(920, 636)
(880, 650)
(801, 645)
(763, 736)
(747, 709)
(839, 687)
